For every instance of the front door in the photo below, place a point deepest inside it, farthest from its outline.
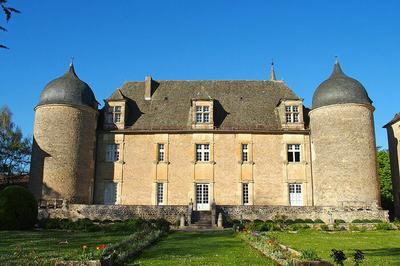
(295, 195)
(202, 197)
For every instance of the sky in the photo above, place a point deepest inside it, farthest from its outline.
(117, 41)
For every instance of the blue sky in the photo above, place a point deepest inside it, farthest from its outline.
(116, 41)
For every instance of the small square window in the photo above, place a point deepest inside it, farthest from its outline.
(293, 153)
(292, 114)
(202, 152)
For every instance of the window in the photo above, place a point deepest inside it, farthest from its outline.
(202, 152)
(292, 114)
(112, 153)
(110, 193)
(293, 155)
(161, 152)
(113, 114)
(245, 188)
(245, 152)
(160, 193)
(295, 195)
(202, 114)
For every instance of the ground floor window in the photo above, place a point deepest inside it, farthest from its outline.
(110, 193)
(160, 193)
(245, 192)
(295, 195)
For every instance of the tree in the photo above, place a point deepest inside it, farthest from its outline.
(8, 11)
(385, 179)
(15, 149)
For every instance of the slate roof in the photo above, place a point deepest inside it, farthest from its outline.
(238, 104)
(339, 88)
(394, 120)
(68, 89)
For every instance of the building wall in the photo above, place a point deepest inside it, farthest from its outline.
(63, 153)
(344, 162)
(267, 171)
(393, 132)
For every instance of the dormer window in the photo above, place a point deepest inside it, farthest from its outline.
(292, 114)
(202, 114)
(114, 114)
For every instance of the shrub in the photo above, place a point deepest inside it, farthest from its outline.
(309, 255)
(383, 226)
(357, 221)
(375, 221)
(289, 221)
(338, 256)
(309, 221)
(358, 257)
(318, 221)
(162, 225)
(339, 221)
(18, 208)
(324, 227)
(299, 221)
(353, 227)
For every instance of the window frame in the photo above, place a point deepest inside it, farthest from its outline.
(114, 114)
(202, 152)
(160, 152)
(296, 189)
(160, 193)
(113, 152)
(292, 114)
(245, 152)
(292, 151)
(202, 114)
(245, 194)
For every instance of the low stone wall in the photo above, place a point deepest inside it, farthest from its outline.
(172, 212)
(115, 212)
(326, 214)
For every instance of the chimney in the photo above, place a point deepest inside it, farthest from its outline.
(147, 88)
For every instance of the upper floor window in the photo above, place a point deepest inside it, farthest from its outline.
(202, 114)
(160, 193)
(202, 152)
(113, 114)
(245, 188)
(112, 153)
(292, 114)
(293, 153)
(245, 152)
(161, 152)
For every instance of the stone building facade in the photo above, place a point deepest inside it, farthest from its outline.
(233, 144)
(393, 132)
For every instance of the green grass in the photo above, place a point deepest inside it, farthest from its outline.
(379, 247)
(20, 247)
(201, 248)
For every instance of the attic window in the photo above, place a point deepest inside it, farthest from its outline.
(113, 114)
(292, 114)
(202, 114)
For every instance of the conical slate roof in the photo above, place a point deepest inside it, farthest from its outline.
(339, 88)
(68, 89)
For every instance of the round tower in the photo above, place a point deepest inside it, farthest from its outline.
(344, 164)
(64, 141)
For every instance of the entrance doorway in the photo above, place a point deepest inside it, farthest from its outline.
(202, 197)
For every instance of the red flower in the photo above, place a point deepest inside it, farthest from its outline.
(101, 247)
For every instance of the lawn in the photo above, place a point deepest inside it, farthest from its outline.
(21, 247)
(380, 247)
(201, 248)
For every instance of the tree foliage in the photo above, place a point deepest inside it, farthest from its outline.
(15, 149)
(8, 12)
(385, 179)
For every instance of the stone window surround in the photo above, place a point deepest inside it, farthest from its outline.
(203, 103)
(205, 153)
(122, 114)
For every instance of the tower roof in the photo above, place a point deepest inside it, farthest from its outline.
(272, 76)
(339, 88)
(68, 89)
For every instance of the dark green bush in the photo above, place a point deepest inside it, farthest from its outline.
(299, 221)
(162, 225)
(339, 221)
(357, 221)
(324, 227)
(289, 221)
(318, 221)
(18, 209)
(309, 221)
(383, 226)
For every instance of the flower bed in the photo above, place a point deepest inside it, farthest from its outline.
(279, 253)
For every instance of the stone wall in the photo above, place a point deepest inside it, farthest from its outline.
(173, 212)
(115, 212)
(326, 214)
